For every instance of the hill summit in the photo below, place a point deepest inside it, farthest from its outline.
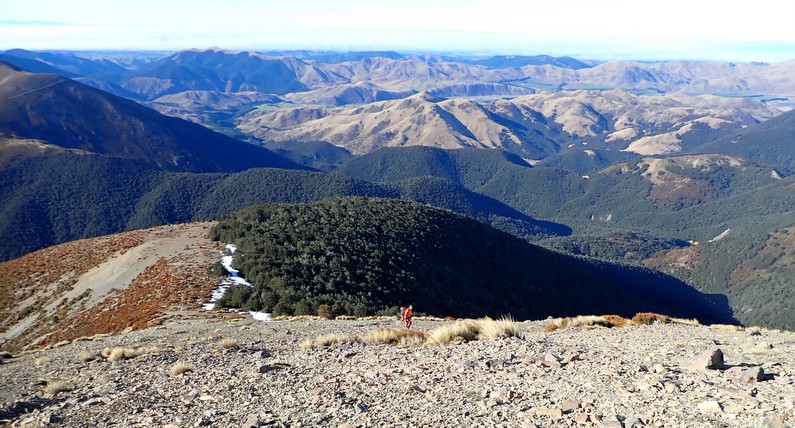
(365, 255)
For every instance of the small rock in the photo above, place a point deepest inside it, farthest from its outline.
(582, 418)
(189, 397)
(710, 406)
(346, 426)
(751, 375)
(769, 422)
(555, 412)
(569, 406)
(97, 400)
(265, 368)
(611, 422)
(712, 360)
(634, 422)
(252, 421)
(360, 408)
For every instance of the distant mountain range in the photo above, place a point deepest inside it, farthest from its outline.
(535, 126)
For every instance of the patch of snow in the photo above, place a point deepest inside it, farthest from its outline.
(775, 175)
(586, 176)
(721, 236)
(260, 316)
(232, 279)
(590, 153)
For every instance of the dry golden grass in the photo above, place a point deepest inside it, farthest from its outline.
(726, 327)
(180, 368)
(56, 387)
(616, 320)
(394, 336)
(345, 317)
(502, 327)
(581, 321)
(464, 330)
(327, 340)
(42, 361)
(645, 318)
(479, 329)
(120, 353)
(229, 343)
(86, 356)
(591, 321)
(686, 321)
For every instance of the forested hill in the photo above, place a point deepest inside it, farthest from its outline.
(366, 255)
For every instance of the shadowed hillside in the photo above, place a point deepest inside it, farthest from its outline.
(45, 109)
(361, 256)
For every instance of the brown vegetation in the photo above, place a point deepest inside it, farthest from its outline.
(646, 318)
(590, 321)
(464, 330)
(167, 282)
(56, 268)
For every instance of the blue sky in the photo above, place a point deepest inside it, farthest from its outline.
(603, 29)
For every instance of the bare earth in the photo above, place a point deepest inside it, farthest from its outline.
(620, 377)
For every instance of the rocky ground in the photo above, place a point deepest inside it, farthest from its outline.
(652, 375)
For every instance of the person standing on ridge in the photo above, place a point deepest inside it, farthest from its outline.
(407, 314)
(402, 312)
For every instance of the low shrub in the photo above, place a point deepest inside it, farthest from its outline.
(228, 343)
(646, 318)
(324, 311)
(57, 387)
(180, 368)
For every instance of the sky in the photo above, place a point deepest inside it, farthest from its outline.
(726, 30)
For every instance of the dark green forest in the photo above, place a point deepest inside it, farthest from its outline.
(370, 255)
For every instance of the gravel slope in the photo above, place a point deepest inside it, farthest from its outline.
(621, 377)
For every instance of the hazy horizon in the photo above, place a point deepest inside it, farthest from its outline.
(615, 29)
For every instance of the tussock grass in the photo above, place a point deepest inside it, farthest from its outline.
(479, 329)
(394, 336)
(752, 329)
(345, 317)
(180, 368)
(583, 321)
(42, 361)
(685, 321)
(56, 387)
(464, 330)
(296, 318)
(493, 329)
(86, 356)
(229, 343)
(328, 339)
(121, 353)
(646, 318)
(641, 318)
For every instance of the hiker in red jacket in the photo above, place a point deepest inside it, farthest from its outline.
(407, 314)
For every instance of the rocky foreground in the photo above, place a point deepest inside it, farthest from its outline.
(221, 371)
